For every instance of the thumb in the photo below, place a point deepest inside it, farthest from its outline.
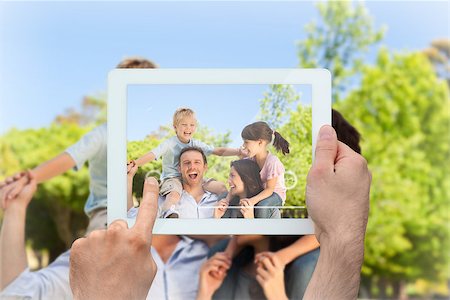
(326, 149)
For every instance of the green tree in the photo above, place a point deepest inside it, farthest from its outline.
(338, 42)
(93, 111)
(55, 216)
(276, 102)
(402, 112)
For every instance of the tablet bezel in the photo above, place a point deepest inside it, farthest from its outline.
(118, 82)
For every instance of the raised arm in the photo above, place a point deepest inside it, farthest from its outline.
(45, 171)
(130, 175)
(223, 151)
(301, 246)
(13, 259)
(145, 159)
(337, 196)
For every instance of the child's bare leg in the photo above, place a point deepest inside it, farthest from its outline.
(215, 187)
(172, 198)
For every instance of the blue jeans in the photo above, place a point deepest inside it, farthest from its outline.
(259, 209)
(298, 273)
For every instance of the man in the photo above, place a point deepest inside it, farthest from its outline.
(195, 202)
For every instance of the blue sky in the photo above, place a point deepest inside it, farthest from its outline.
(54, 53)
(216, 106)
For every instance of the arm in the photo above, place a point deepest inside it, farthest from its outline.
(209, 240)
(266, 193)
(337, 196)
(301, 246)
(145, 159)
(13, 260)
(41, 173)
(54, 167)
(222, 151)
(130, 176)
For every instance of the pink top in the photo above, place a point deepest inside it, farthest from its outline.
(274, 168)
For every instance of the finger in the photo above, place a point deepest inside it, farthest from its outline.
(326, 149)
(260, 280)
(148, 209)
(263, 273)
(268, 265)
(217, 264)
(260, 256)
(118, 225)
(223, 256)
(17, 188)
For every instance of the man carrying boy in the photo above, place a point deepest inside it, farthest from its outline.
(185, 125)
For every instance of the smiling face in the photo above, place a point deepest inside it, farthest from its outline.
(185, 128)
(236, 184)
(253, 147)
(192, 167)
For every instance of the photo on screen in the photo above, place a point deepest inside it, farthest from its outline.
(244, 175)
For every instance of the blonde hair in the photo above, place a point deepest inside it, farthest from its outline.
(182, 113)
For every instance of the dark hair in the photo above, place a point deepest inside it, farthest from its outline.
(260, 130)
(248, 170)
(187, 149)
(346, 133)
(136, 63)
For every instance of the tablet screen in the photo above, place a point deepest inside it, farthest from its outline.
(231, 148)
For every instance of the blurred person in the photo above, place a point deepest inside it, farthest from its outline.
(338, 178)
(52, 281)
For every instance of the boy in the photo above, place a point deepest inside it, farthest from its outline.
(185, 124)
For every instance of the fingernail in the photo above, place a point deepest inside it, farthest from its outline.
(326, 133)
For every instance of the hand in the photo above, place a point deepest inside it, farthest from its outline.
(131, 165)
(132, 168)
(247, 208)
(212, 274)
(17, 190)
(116, 263)
(270, 275)
(337, 190)
(11, 187)
(222, 206)
(242, 153)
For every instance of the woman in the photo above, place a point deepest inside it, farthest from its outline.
(245, 182)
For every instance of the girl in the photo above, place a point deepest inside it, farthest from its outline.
(257, 137)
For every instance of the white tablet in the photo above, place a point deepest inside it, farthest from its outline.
(141, 104)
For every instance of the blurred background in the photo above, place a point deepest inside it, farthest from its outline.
(391, 77)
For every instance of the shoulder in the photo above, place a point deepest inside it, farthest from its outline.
(273, 159)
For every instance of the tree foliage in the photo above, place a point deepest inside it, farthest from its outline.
(55, 216)
(402, 112)
(339, 41)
